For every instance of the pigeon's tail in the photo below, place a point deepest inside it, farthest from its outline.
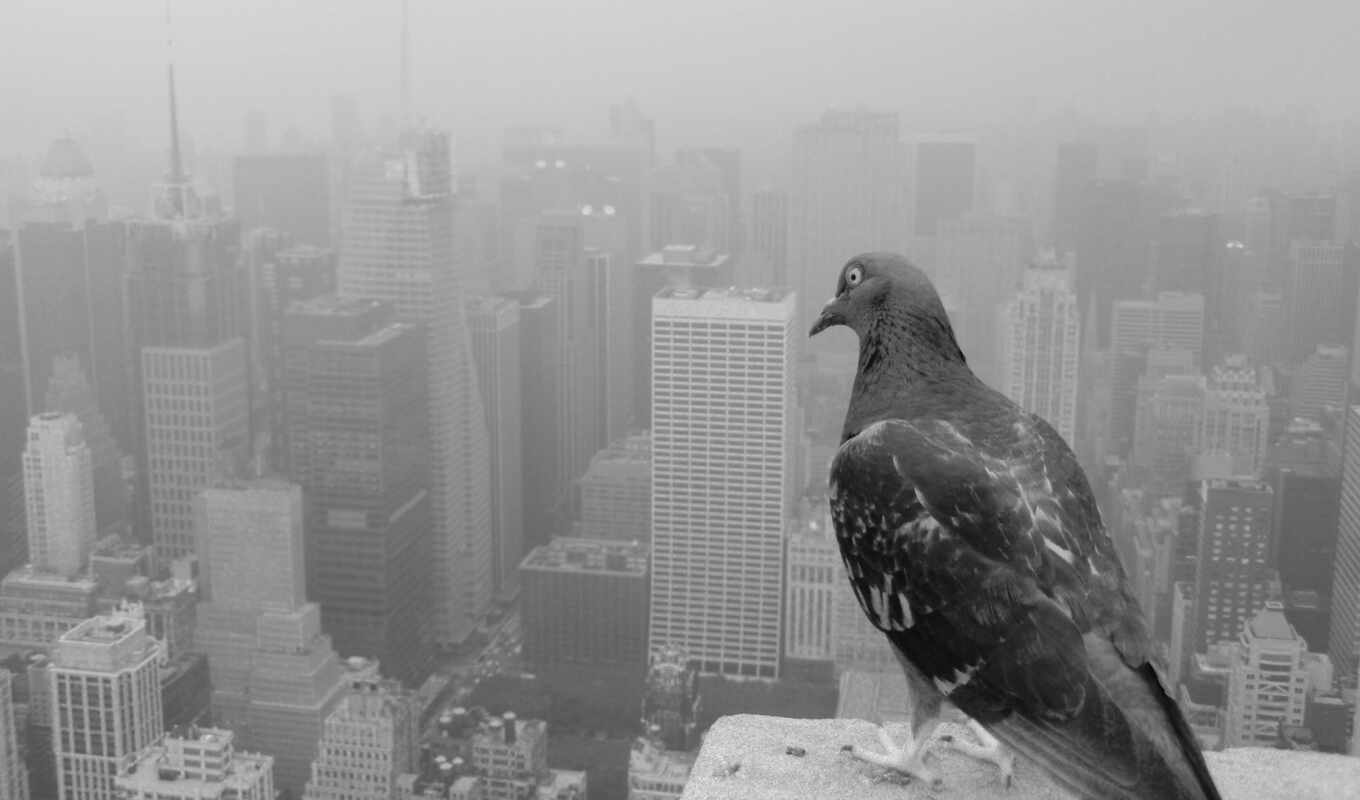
(1115, 747)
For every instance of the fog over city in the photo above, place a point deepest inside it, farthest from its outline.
(433, 398)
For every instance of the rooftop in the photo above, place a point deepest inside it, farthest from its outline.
(1269, 623)
(685, 255)
(164, 768)
(568, 554)
(750, 757)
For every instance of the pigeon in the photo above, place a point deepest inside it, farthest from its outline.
(972, 540)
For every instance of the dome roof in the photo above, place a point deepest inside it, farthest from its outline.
(65, 159)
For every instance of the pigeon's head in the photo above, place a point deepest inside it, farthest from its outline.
(876, 288)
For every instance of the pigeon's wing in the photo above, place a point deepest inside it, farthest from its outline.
(971, 565)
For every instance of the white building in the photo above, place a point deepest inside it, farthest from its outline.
(13, 771)
(813, 576)
(196, 764)
(58, 494)
(1268, 685)
(399, 247)
(368, 741)
(106, 703)
(1236, 419)
(723, 428)
(1041, 347)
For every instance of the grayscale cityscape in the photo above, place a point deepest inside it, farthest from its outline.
(403, 400)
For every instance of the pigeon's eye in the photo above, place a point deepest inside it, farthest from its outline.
(854, 276)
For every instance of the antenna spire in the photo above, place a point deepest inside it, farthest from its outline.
(405, 64)
(176, 177)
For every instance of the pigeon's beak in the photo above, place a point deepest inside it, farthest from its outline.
(833, 314)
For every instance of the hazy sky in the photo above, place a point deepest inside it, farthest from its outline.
(700, 67)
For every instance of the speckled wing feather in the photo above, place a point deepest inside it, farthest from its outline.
(987, 567)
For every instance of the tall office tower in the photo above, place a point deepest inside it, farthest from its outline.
(585, 606)
(58, 494)
(1320, 295)
(1268, 684)
(1264, 329)
(811, 576)
(275, 675)
(193, 763)
(1185, 251)
(765, 257)
(1112, 248)
(398, 247)
(945, 180)
(368, 740)
(69, 392)
(1168, 421)
(562, 274)
(1296, 218)
(67, 281)
(1344, 641)
(358, 439)
(616, 492)
(1320, 383)
(1235, 544)
(289, 192)
(496, 347)
(13, 415)
(544, 486)
(1173, 319)
(1041, 347)
(612, 282)
(106, 703)
(848, 196)
(721, 492)
(13, 770)
(1236, 416)
(1078, 164)
(979, 264)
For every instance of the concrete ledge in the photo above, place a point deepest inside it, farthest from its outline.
(746, 757)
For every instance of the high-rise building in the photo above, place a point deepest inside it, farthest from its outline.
(1268, 685)
(275, 675)
(1304, 469)
(58, 494)
(69, 391)
(398, 247)
(811, 575)
(1320, 295)
(1184, 253)
(1041, 349)
(979, 264)
(544, 483)
(721, 491)
(1264, 331)
(289, 192)
(368, 740)
(1320, 384)
(194, 763)
(1344, 642)
(358, 444)
(494, 325)
(13, 770)
(1173, 319)
(616, 492)
(1236, 417)
(945, 180)
(1168, 421)
(13, 414)
(106, 701)
(765, 258)
(585, 604)
(848, 196)
(1235, 545)
(1112, 240)
(68, 284)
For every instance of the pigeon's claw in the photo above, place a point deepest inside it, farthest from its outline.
(986, 749)
(908, 759)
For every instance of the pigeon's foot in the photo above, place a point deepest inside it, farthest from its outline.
(908, 759)
(986, 749)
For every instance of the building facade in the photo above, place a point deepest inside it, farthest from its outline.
(192, 763)
(58, 494)
(1041, 348)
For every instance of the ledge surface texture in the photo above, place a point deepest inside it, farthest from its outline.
(747, 757)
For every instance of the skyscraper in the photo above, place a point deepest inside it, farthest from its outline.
(1268, 685)
(1041, 347)
(1320, 295)
(1173, 319)
(616, 492)
(1320, 383)
(68, 391)
(494, 326)
(812, 577)
(945, 178)
(358, 444)
(721, 491)
(368, 740)
(398, 247)
(765, 258)
(13, 771)
(1185, 252)
(848, 196)
(1112, 240)
(13, 415)
(1237, 416)
(1344, 642)
(275, 675)
(1235, 544)
(58, 494)
(106, 701)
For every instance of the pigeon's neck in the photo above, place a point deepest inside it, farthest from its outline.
(900, 368)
